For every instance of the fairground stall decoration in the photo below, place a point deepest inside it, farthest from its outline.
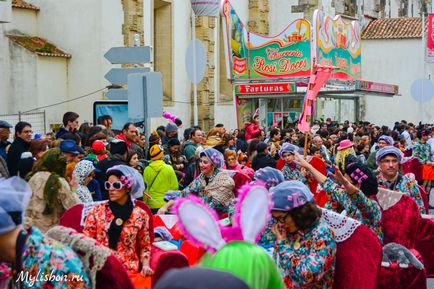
(266, 68)
(338, 44)
(283, 74)
(253, 56)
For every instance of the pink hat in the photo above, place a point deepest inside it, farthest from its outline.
(346, 143)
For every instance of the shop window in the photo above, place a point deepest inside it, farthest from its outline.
(163, 45)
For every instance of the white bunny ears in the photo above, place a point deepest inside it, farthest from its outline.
(200, 224)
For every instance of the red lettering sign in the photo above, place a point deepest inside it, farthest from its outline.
(240, 65)
(430, 39)
(265, 88)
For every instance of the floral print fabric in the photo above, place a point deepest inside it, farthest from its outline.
(217, 193)
(293, 173)
(308, 257)
(134, 244)
(357, 206)
(422, 151)
(407, 185)
(51, 264)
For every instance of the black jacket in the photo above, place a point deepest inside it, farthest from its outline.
(14, 154)
(262, 160)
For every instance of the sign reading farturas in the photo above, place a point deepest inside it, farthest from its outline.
(265, 88)
(430, 39)
(377, 87)
(338, 44)
(254, 56)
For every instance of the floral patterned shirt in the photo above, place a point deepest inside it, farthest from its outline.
(50, 264)
(308, 257)
(406, 184)
(422, 151)
(217, 193)
(134, 243)
(357, 206)
(293, 173)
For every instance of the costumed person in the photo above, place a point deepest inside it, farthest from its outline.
(389, 159)
(122, 225)
(84, 173)
(52, 195)
(232, 164)
(355, 197)
(291, 171)
(252, 128)
(422, 151)
(28, 251)
(214, 186)
(159, 178)
(305, 246)
(233, 249)
(383, 141)
(345, 148)
(199, 278)
(268, 177)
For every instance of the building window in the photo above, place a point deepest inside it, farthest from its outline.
(163, 45)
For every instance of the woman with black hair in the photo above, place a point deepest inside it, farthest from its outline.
(122, 225)
(305, 244)
(355, 196)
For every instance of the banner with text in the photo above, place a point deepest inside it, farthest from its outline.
(253, 56)
(430, 39)
(338, 44)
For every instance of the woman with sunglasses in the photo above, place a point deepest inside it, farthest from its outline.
(291, 171)
(305, 245)
(214, 186)
(123, 226)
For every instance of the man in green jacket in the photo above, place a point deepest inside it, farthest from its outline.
(191, 145)
(159, 178)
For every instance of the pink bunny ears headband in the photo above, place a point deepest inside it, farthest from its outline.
(200, 224)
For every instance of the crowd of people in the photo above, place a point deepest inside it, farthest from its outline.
(46, 174)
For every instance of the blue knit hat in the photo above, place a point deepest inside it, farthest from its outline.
(269, 176)
(288, 148)
(290, 195)
(388, 150)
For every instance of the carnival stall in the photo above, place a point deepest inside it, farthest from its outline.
(273, 72)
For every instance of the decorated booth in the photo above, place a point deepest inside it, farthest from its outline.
(273, 72)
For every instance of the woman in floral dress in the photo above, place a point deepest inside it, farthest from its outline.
(355, 197)
(305, 246)
(291, 171)
(214, 186)
(123, 226)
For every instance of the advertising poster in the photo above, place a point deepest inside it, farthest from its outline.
(338, 44)
(430, 39)
(254, 56)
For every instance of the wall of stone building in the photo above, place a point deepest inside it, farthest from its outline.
(258, 16)
(24, 20)
(383, 63)
(133, 21)
(86, 30)
(22, 79)
(206, 90)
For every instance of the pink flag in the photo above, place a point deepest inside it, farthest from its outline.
(316, 81)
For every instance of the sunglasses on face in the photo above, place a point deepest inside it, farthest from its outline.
(117, 185)
(281, 219)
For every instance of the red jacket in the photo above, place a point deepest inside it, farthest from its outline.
(121, 137)
(252, 130)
